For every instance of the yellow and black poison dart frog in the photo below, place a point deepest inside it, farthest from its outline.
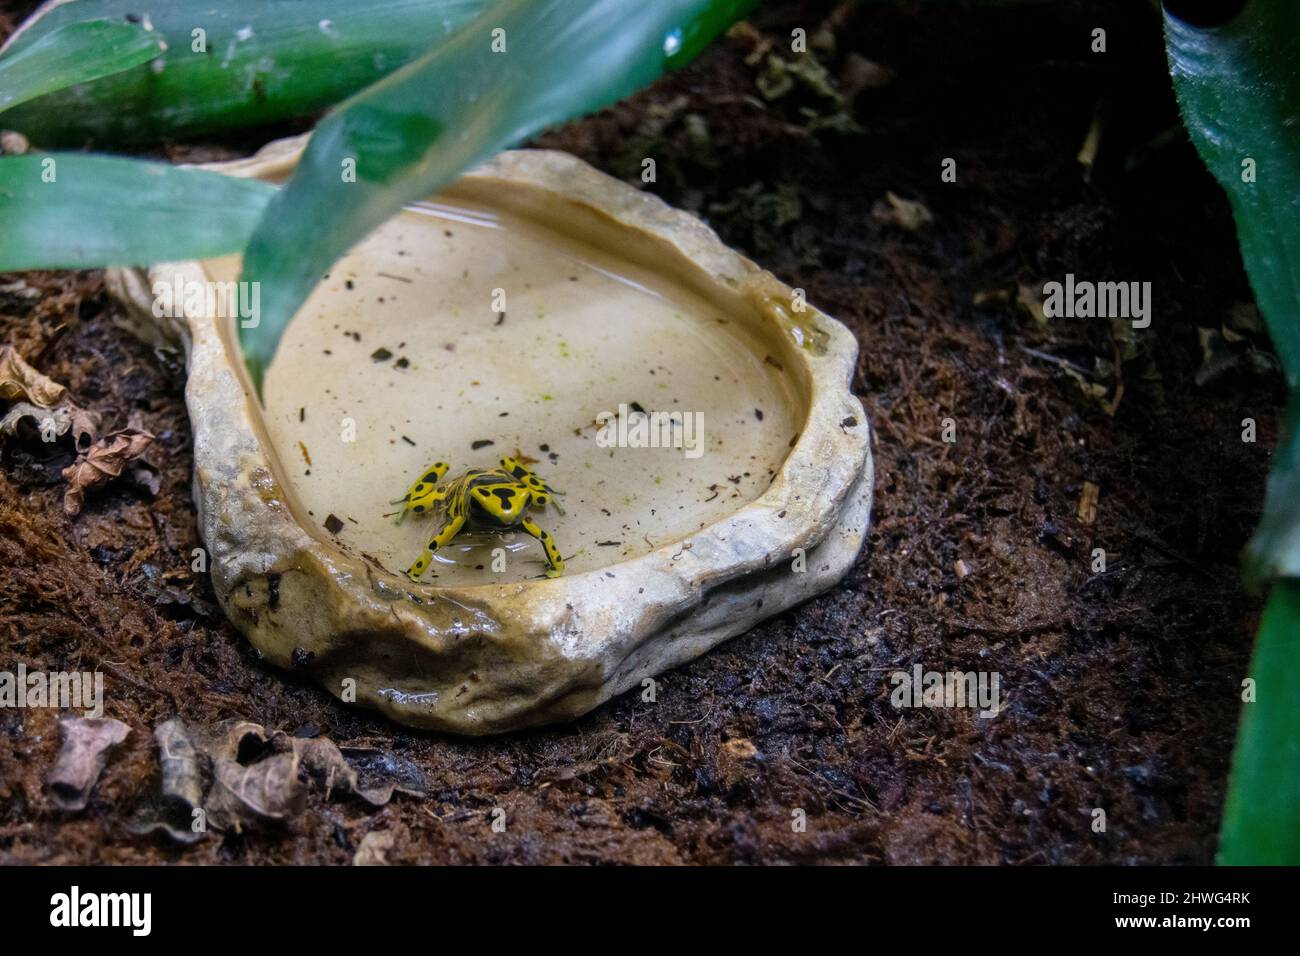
(483, 499)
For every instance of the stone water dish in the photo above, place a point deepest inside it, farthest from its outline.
(504, 316)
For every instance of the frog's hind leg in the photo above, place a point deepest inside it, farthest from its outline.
(554, 562)
(440, 540)
(425, 493)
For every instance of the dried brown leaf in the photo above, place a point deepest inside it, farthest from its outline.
(184, 769)
(20, 382)
(182, 773)
(52, 423)
(270, 790)
(82, 758)
(254, 777)
(99, 464)
(323, 760)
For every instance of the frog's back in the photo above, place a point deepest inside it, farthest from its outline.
(458, 492)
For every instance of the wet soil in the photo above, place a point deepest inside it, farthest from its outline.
(1119, 687)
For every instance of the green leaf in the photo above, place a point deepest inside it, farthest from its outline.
(76, 53)
(228, 64)
(75, 211)
(1237, 80)
(1238, 87)
(1261, 817)
(522, 66)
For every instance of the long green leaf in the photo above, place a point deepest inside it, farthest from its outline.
(1259, 818)
(1238, 86)
(228, 64)
(75, 211)
(76, 53)
(522, 66)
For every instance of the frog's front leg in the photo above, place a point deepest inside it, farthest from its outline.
(425, 493)
(554, 562)
(540, 499)
(440, 540)
(540, 494)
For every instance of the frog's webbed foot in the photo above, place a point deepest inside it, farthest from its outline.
(422, 503)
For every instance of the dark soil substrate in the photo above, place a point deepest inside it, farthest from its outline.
(1120, 688)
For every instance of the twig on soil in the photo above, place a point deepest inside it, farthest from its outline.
(1055, 360)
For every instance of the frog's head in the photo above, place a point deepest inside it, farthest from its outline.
(500, 504)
